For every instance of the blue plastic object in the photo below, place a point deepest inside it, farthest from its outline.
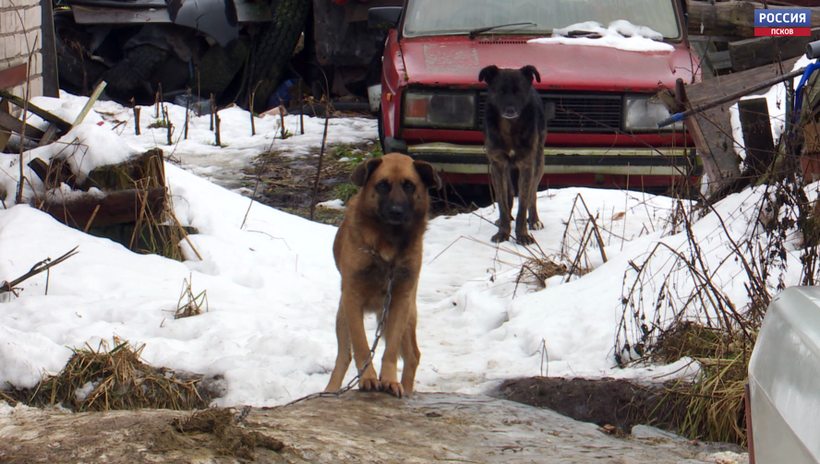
(798, 93)
(281, 95)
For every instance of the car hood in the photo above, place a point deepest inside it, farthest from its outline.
(456, 62)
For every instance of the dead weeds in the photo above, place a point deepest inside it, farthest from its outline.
(102, 380)
(286, 182)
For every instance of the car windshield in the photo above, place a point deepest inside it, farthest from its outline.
(451, 17)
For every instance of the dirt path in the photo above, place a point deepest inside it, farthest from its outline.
(357, 427)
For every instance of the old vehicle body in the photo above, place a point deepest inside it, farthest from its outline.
(345, 49)
(599, 100)
(220, 47)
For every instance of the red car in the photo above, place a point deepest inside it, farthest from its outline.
(599, 96)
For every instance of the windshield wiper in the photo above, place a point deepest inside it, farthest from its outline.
(482, 30)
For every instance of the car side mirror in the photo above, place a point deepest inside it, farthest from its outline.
(383, 17)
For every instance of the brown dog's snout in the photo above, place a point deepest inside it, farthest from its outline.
(396, 211)
(395, 205)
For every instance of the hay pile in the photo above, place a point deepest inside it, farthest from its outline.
(101, 380)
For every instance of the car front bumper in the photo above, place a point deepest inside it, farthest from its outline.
(583, 166)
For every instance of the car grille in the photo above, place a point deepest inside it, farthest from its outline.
(574, 112)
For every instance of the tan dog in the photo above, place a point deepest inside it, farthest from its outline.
(381, 239)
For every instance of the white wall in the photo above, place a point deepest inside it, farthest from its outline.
(20, 35)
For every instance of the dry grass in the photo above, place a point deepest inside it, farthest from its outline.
(577, 247)
(190, 304)
(675, 305)
(158, 235)
(714, 402)
(538, 269)
(581, 238)
(102, 379)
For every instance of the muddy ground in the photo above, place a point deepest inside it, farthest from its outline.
(288, 183)
(620, 404)
(355, 427)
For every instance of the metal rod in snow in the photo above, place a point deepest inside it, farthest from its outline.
(318, 170)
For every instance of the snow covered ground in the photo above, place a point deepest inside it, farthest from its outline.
(273, 289)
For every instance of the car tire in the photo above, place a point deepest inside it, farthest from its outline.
(130, 77)
(273, 49)
(76, 71)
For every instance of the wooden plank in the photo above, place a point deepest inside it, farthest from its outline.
(50, 135)
(676, 102)
(51, 84)
(712, 129)
(14, 75)
(62, 124)
(91, 100)
(757, 135)
(810, 159)
(122, 206)
(53, 173)
(721, 61)
(758, 51)
(15, 125)
(721, 86)
(730, 18)
(147, 169)
(4, 135)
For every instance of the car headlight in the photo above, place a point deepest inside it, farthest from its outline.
(643, 113)
(439, 110)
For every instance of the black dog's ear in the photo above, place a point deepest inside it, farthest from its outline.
(364, 170)
(529, 71)
(488, 74)
(428, 174)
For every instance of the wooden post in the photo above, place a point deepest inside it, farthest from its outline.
(250, 110)
(318, 171)
(216, 132)
(301, 110)
(282, 120)
(757, 135)
(137, 110)
(213, 111)
(187, 114)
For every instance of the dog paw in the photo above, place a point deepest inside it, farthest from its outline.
(536, 225)
(370, 384)
(394, 388)
(524, 239)
(500, 237)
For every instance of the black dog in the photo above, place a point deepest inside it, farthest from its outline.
(515, 128)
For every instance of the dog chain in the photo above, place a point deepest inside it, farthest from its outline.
(388, 300)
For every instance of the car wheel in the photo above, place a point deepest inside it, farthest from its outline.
(273, 49)
(130, 77)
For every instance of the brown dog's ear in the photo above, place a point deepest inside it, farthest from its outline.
(428, 174)
(488, 74)
(364, 170)
(529, 71)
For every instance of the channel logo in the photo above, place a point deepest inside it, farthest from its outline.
(783, 22)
